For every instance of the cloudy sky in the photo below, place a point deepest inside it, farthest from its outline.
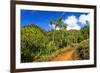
(73, 20)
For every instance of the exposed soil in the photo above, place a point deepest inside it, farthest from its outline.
(68, 55)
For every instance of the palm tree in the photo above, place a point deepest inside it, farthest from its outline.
(60, 25)
(64, 26)
(87, 23)
(51, 23)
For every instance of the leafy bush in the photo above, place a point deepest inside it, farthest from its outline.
(85, 32)
(64, 38)
(83, 49)
(26, 55)
(32, 41)
(51, 47)
(44, 57)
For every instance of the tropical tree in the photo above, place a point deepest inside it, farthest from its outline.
(85, 30)
(51, 23)
(65, 27)
(60, 25)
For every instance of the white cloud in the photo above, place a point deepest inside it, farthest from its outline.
(71, 23)
(83, 18)
(52, 26)
(77, 27)
(57, 28)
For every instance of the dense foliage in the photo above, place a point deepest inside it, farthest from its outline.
(32, 42)
(83, 50)
(38, 44)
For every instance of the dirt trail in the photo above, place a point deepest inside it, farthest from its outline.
(68, 55)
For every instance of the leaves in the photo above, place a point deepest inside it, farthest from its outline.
(32, 38)
(38, 44)
(83, 50)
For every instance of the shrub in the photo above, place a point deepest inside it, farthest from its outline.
(83, 50)
(51, 47)
(33, 42)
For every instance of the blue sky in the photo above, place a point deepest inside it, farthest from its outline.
(41, 18)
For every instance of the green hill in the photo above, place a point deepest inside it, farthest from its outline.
(32, 41)
(39, 45)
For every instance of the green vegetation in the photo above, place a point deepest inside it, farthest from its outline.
(38, 45)
(83, 50)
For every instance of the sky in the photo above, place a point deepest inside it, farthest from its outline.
(73, 20)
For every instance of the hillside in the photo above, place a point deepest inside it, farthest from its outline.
(32, 40)
(38, 45)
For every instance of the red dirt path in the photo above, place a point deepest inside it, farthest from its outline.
(68, 55)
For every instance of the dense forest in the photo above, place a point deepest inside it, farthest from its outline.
(39, 45)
